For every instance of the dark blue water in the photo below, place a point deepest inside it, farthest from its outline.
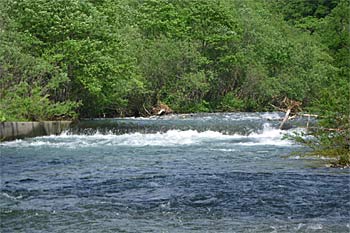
(199, 173)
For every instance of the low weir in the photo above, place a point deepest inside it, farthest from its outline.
(17, 130)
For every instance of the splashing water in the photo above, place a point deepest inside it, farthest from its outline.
(267, 136)
(227, 172)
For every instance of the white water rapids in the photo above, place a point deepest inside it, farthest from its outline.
(267, 136)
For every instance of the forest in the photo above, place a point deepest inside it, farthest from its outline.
(88, 58)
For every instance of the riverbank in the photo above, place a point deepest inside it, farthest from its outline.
(17, 130)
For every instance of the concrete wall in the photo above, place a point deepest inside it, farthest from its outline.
(15, 130)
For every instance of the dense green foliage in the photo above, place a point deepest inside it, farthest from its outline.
(108, 58)
(328, 22)
(64, 59)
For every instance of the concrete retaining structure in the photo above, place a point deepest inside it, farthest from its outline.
(17, 130)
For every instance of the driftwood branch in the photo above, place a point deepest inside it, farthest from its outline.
(307, 115)
(285, 119)
(291, 105)
(146, 110)
(291, 110)
(278, 108)
(161, 109)
(329, 129)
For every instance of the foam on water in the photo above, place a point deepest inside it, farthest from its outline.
(220, 172)
(316, 226)
(169, 138)
(271, 116)
(5, 195)
(267, 136)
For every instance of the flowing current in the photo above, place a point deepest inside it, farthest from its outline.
(227, 172)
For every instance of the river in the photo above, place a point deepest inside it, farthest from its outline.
(223, 172)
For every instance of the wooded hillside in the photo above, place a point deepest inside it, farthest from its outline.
(87, 58)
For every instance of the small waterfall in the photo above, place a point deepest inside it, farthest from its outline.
(226, 123)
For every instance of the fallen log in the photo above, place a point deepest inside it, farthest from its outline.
(307, 115)
(149, 114)
(285, 119)
(328, 129)
(161, 109)
(291, 105)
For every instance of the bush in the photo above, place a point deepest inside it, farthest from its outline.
(231, 103)
(25, 102)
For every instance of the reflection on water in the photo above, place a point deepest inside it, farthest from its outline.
(228, 172)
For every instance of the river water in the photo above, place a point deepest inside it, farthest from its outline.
(228, 172)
